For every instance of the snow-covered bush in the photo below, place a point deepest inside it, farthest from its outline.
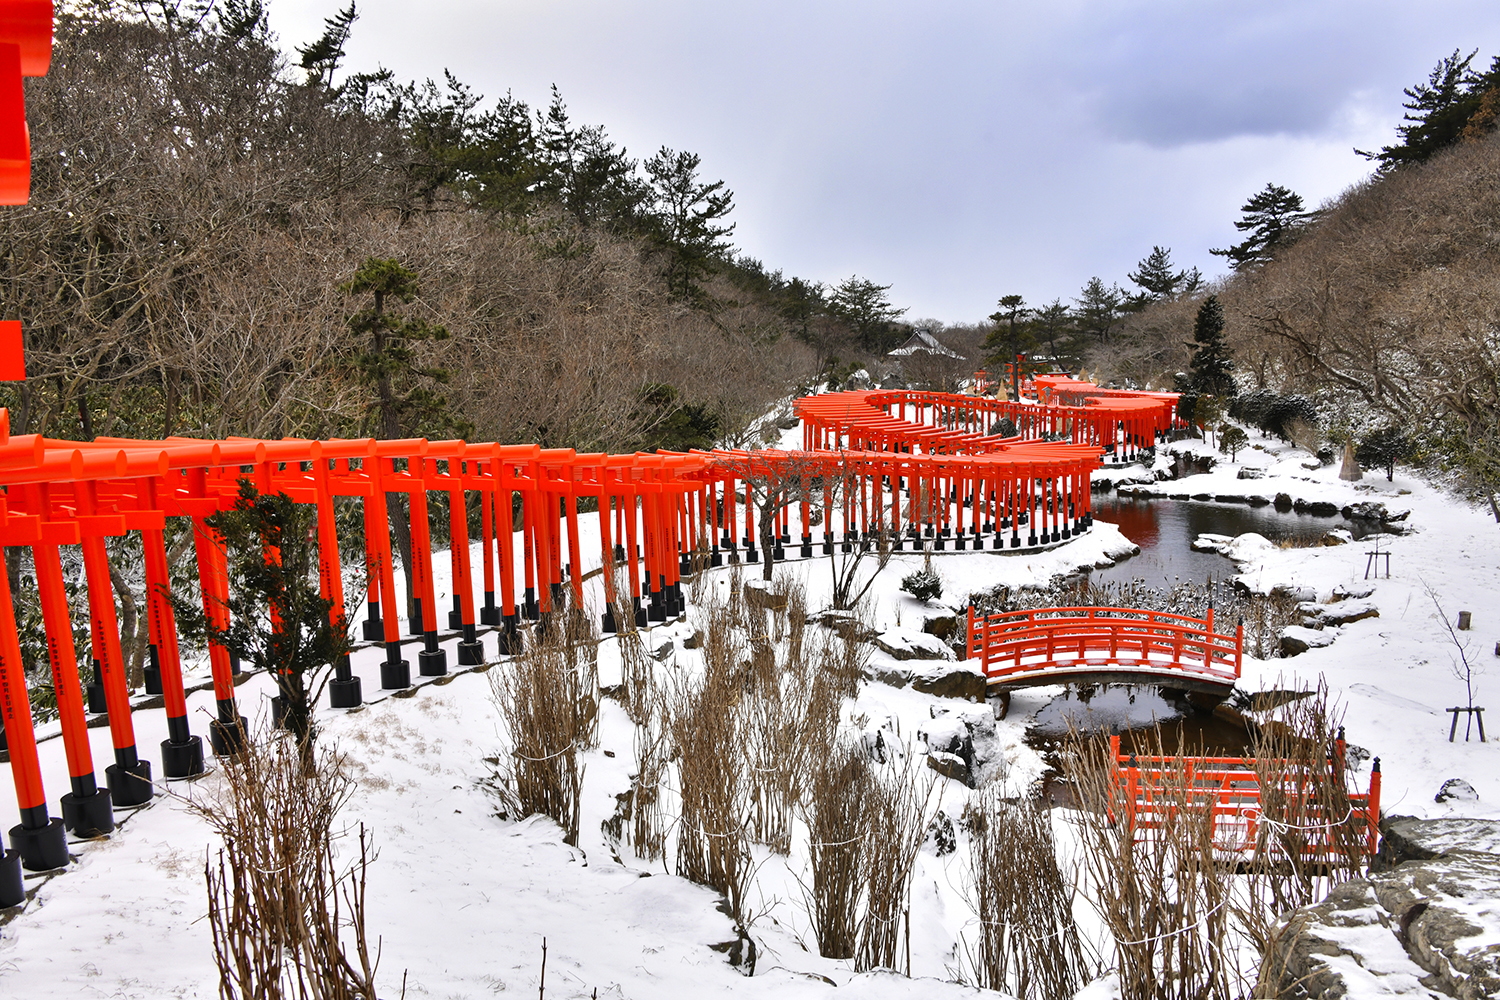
(924, 585)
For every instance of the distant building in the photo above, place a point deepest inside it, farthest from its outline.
(922, 342)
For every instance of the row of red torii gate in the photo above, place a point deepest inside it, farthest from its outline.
(1012, 465)
(862, 474)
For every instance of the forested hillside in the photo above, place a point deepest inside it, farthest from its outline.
(202, 203)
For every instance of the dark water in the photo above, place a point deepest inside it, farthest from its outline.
(1165, 529)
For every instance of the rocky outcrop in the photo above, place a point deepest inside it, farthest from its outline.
(905, 644)
(1428, 927)
(960, 745)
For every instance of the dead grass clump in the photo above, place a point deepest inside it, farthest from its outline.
(1028, 943)
(548, 716)
(707, 736)
(838, 797)
(896, 816)
(1158, 883)
(286, 923)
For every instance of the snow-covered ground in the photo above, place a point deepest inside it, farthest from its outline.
(462, 899)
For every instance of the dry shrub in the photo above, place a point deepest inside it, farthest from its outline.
(637, 678)
(838, 798)
(547, 714)
(1028, 943)
(1157, 882)
(896, 816)
(1308, 836)
(707, 736)
(285, 921)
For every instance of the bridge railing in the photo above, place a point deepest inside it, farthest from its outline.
(1014, 643)
(1315, 825)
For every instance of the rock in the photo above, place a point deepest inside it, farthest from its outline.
(1349, 611)
(1208, 542)
(1456, 790)
(1368, 510)
(1283, 502)
(662, 650)
(905, 644)
(1203, 496)
(1296, 639)
(694, 641)
(949, 765)
(1338, 536)
(1341, 613)
(1250, 474)
(1423, 929)
(1230, 498)
(1256, 500)
(1312, 463)
(957, 680)
(942, 835)
(944, 626)
(1317, 508)
(1407, 838)
(845, 623)
(1345, 591)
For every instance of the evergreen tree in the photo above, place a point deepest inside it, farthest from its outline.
(1272, 217)
(688, 224)
(1011, 335)
(1099, 308)
(1383, 448)
(585, 173)
(1455, 103)
(321, 58)
(863, 305)
(1211, 367)
(406, 402)
(1156, 279)
(1051, 324)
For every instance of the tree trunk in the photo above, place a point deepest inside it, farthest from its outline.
(767, 540)
(131, 648)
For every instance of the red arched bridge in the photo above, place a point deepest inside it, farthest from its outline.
(1104, 646)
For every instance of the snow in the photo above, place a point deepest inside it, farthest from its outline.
(463, 898)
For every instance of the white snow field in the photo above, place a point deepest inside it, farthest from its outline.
(462, 899)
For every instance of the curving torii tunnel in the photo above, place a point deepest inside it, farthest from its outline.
(654, 511)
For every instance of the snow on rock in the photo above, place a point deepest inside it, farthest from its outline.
(911, 644)
(1297, 639)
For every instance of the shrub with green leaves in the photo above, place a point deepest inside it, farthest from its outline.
(924, 585)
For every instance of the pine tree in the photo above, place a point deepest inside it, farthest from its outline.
(322, 57)
(1211, 367)
(1011, 335)
(1455, 103)
(1272, 217)
(1156, 278)
(863, 305)
(687, 216)
(405, 403)
(1099, 308)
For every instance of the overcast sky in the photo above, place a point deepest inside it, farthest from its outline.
(958, 151)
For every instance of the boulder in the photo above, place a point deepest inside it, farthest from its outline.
(1338, 536)
(1456, 790)
(1344, 591)
(951, 680)
(694, 641)
(1423, 929)
(948, 765)
(1345, 612)
(1297, 639)
(1407, 838)
(944, 626)
(1230, 498)
(1317, 508)
(1283, 502)
(1248, 473)
(906, 644)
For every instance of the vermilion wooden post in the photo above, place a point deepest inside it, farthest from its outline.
(181, 751)
(470, 650)
(529, 500)
(629, 505)
(489, 614)
(86, 809)
(432, 661)
(40, 842)
(607, 621)
(343, 688)
(129, 778)
(395, 672)
(505, 532)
